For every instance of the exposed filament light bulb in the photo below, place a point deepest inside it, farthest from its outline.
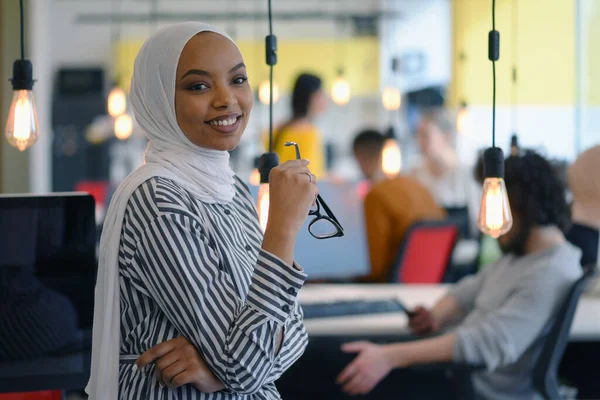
(495, 217)
(263, 92)
(391, 98)
(117, 102)
(254, 177)
(123, 126)
(340, 90)
(262, 205)
(391, 158)
(22, 123)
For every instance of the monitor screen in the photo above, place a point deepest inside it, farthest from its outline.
(47, 273)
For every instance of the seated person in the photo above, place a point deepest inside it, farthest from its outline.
(440, 170)
(391, 206)
(584, 183)
(505, 311)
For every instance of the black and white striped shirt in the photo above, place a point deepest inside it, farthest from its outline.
(197, 270)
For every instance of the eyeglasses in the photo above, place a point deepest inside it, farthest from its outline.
(322, 226)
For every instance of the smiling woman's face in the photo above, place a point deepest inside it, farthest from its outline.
(213, 98)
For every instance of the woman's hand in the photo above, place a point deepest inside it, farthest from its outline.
(292, 191)
(368, 368)
(423, 321)
(179, 363)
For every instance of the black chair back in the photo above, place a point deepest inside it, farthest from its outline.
(545, 373)
(460, 217)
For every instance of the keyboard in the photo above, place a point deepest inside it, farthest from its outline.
(351, 307)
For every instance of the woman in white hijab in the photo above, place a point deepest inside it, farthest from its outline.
(192, 302)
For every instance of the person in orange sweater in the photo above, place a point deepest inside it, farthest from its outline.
(391, 206)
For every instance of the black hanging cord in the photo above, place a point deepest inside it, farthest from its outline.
(269, 160)
(271, 47)
(22, 32)
(493, 158)
(494, 55)
(515, 24)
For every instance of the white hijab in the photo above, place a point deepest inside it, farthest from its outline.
(170, 154)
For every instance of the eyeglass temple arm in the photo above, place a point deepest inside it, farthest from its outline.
(298, 157)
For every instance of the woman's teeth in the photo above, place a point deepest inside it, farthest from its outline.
(225, 122)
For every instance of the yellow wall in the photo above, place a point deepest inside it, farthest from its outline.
(359, 56)
(546, 51)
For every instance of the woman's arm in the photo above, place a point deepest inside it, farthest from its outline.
(240, 341)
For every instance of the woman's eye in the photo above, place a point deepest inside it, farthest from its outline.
(240, 80)
(197, 86)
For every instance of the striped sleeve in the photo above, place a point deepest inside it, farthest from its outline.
(241, 342)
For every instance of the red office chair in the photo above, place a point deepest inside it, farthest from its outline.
(47, 395)
(98, 190)
(426, 253)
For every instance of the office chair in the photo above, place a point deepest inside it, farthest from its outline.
(460, 216)
(425, 253)
(545, 377)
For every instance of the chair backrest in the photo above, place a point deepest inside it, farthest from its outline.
(545, 376)
(460, 216)
(47, 395)
(425, 253)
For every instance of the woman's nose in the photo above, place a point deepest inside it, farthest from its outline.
(224, 97)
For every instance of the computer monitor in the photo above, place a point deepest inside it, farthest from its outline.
(336, 258)
(47, 272)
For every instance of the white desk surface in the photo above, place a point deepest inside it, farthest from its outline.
(586, 326)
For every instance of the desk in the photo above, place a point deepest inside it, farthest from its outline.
(586, 326)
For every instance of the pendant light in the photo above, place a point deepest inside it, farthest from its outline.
(22, 123)
(340, 88)
(264, 92)
(117, 99)
(391, 157)
(495, 218)
(269, 160)
(123, 126)
(391, 98)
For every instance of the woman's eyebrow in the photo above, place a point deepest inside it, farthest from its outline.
(206, 73)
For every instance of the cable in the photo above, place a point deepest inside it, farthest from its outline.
(22, 32)
(494, 55)
(494, 105)
(271, 47)
(515, 57)
(270, 19)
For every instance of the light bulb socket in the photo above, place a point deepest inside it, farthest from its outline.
(514, 140)
(266, 163)
(493, 163)
(340, 72)
(395, 64)
(390, 133)
(463, 104)
(22, 75)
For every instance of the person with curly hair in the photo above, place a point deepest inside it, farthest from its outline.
(504, 312)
